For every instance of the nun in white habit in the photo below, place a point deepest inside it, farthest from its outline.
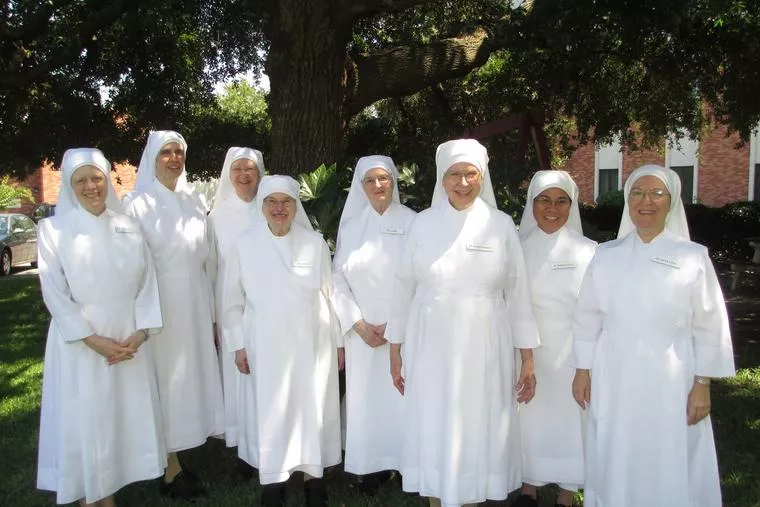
(650, 331)
(100, 426)
(173, 219)
(278, 318)
(373, 227)
(556, 257)
(461, 307)
(234, 211)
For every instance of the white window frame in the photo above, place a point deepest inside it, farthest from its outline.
(695, 178)
(754, 159)
(597, 148)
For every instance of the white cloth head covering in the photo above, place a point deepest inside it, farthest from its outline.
(286, 185)
(225, 188)
(540, 182)
(675, 221)
(357, 200)
(73, 159)
(463, 150)
(146, 171)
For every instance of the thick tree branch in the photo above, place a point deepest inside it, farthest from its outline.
(347, 11)
(68, 52)
(408, 69)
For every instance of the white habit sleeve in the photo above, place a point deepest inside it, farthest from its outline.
(343, 300)
(587, 325)
(404, 288)
(714, 354)
(233, 303)
(55, 289)
(519, 306)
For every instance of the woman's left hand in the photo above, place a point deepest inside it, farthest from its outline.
(132, 342)
(698, 406)
(526, 385)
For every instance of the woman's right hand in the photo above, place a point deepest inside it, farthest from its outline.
(112, 350)
(396, 364)
(582, 388)
(241, 361)
(372, 335)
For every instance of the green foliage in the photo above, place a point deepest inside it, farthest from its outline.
(613, 198)
(323, 193)
(10, 194)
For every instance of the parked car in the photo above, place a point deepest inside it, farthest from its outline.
(43, 210)
(18, 241)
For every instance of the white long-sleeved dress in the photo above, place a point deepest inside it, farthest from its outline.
(100, 427)
(277, 307)
(650, 316)
(552, 424)
(227, 221)
(369, 249)
(462, 306)
(189, 384)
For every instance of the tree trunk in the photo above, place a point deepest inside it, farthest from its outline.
(307, 102)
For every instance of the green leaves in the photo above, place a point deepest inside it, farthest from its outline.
(11, 194)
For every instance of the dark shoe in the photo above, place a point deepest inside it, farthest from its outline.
(316, 494)
(525, 501)
(185, 486)
(370, 483)
(273, 495)
(243, 472)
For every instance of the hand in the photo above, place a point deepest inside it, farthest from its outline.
(241, 361)
(582, 388)
(396, 364)
(134, 340)
(341, 358)
(526, 384)
(698, 406)
(372, 335)
(113, 351)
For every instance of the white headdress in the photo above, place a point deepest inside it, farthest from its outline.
(540, 182)
(675, 221)
(463, 150)
(225, 188)
(73, 159)
(357, 200)
(146, 171)
(286, 185)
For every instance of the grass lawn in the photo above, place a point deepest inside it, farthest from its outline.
(736, 419)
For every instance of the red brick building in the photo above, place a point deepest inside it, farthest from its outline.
(714, 170)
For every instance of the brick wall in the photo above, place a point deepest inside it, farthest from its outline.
(722, 168)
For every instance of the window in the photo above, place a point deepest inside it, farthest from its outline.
(686, 173)
(609, 164)
(608, 181)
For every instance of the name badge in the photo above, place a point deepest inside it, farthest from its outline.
(564, 265)
(123, 230)
(479, 248)
(396, 232)
(666, 262)
(302, 264)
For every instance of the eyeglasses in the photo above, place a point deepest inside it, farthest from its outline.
(469, 176)
(382, 180)
(546, 201)
(273, 203)
(655, 194)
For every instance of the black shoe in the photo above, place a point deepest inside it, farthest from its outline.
(273, 495)
(370, 483)
(525, 501)
(316, 494)
(185, 486)
(243, 472)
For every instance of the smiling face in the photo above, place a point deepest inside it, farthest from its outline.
(245, 178)
(170, 162)
(90, 188)
(648, 206)
(462, 182)
(279, 211)
(551, 209)
(378, 185)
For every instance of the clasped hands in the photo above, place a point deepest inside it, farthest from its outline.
(116, 351)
